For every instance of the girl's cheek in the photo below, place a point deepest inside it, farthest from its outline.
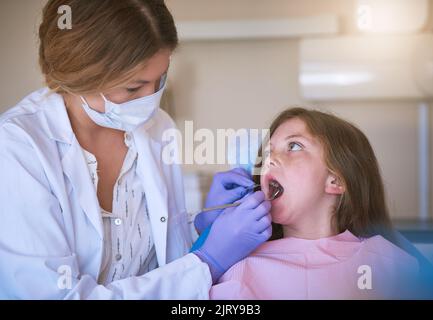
(262, 180)
(264, 170)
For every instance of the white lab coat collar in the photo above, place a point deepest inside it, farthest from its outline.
(58, 125)
(73, 168)
(58, 128)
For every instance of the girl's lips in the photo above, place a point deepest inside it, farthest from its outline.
(272, 187)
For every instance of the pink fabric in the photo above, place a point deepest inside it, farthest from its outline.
(327, 268)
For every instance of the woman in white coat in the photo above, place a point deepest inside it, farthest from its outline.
(88, 207)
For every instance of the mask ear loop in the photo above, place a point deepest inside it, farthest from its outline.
(103, 97)
(84, 101)
(163, 81)
(88, 105)
(106, 102)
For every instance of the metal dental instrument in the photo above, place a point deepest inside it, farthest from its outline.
(278, 190)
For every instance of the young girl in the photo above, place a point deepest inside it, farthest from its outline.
(327, 221)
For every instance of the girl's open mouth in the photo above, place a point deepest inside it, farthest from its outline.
(275, 190)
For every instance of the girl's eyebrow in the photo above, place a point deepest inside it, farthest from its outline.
(297, 136)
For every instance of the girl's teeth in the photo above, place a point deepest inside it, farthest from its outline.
(275, 190)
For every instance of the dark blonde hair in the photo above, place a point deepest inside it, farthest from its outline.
(347, 153)
(108, 42)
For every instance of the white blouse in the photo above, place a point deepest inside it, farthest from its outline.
(128, 244)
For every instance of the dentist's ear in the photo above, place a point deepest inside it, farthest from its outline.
(334, 185)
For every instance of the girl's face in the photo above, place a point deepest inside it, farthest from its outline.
(295, 159)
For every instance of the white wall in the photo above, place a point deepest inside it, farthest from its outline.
(19, 70)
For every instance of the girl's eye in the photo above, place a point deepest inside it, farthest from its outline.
(294, 146)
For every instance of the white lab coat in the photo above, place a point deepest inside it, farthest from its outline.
(50, 222)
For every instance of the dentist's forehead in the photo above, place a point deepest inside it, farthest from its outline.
(153, 69)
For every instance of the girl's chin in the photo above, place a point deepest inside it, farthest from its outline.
(279, 215)
(279, 204)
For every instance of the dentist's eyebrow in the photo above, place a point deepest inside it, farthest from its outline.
(147, 81)
(141, 82)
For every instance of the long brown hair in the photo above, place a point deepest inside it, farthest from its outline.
(108, 42)
(362, 208)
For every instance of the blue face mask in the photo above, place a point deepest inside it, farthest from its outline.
(129, 115)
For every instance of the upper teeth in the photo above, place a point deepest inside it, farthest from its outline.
(274, 184)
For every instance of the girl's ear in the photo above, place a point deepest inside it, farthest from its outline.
(334, 185)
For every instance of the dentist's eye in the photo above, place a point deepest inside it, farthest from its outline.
(294, 146)
(132, 90)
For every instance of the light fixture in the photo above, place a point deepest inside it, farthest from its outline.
(391, 16)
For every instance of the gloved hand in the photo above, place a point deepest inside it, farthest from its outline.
(227, 187)
(236, 233)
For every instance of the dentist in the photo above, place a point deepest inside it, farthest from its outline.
(88, 207)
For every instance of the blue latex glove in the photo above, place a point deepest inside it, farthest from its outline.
(236, 233)
(202, 238)
(227, 187)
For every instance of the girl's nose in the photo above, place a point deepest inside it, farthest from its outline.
(274, 160)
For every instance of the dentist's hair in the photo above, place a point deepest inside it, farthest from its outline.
(109, 42)
(348, 154)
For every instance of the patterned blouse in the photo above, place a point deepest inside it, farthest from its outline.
(128, 244)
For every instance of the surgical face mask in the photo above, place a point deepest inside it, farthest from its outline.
(129, 115)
